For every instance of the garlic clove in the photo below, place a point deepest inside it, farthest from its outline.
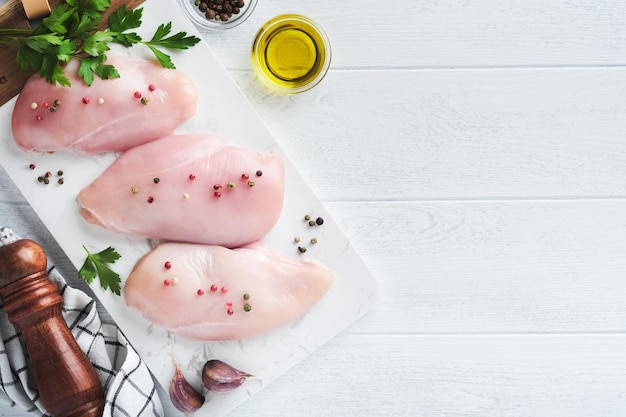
(218, 376)
(184, 397)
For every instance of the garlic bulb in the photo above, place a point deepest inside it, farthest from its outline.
(218, 376)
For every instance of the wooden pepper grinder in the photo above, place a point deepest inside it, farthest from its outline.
(66, 380)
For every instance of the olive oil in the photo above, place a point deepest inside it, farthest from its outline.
(291, 53)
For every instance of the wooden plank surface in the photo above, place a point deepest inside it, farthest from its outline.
(462, 376)
(447, 34)
(12, 77)
(455, 134)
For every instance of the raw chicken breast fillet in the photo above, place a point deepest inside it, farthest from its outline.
(192, 188)
(203, 292)
(147, 102)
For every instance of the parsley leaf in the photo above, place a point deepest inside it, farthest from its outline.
(55, 72)
(97, 44)
(56, 21)
(91, 66)
(124, 19)
(179, 40)
(106, 72)
(39, 43)
(90, 8)
(163, 58)
(82, 26)
(27, 58)
(64, 50)
(96, 265)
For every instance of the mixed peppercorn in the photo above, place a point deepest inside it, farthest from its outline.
(46, 177)
(221, 10)
(313, 241)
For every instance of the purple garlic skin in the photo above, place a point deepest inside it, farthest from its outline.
(184, 397)
(218, 376)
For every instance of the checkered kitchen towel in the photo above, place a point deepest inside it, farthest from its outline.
(128, 385)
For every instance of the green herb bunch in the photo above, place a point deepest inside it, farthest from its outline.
(71, 31)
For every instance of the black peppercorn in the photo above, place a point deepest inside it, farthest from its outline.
(220, 10)
(319, 221)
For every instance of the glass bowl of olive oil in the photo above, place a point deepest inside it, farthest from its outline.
(290, 53)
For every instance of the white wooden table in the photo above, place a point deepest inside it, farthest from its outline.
(475, 154)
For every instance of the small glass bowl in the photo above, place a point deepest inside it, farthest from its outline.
(291, 53)
(199, 19)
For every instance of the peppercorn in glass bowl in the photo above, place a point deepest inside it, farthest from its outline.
(218, 14)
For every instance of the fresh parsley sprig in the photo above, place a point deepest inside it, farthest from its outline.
(72, 31)
(98, 265)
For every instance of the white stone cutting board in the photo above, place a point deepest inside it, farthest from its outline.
(222, 109)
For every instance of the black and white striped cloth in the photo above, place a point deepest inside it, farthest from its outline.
(129, 388)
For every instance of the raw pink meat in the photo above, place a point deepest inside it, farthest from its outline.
(177, 188)
(108, 115)
(200, 292)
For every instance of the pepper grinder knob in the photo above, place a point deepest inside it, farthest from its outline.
(65, 378)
